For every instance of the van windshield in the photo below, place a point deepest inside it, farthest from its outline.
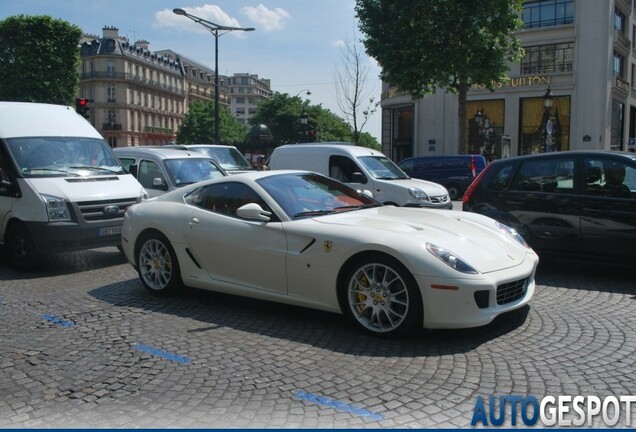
(382, 168)
(63, 156)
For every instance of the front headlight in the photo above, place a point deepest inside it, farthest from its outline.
(513, 233)
(450, 259)
(418, 194)
(56, 208)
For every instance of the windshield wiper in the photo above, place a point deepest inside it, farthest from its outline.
(94, 168)
(313, 213)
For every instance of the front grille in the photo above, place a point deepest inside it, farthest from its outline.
(511, 291)
(94, 211)
(439, 199)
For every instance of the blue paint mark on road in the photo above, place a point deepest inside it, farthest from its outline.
(58, 320)
(162, 353)
(338, 405)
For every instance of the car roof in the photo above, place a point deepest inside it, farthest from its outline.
(343, 146)
(189, 146)
(158, 153)
(592, 153)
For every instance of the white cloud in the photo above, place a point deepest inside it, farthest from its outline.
(212, 13)
(267, 19)
(339, 43)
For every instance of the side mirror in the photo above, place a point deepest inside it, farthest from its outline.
(157, 183)
(366, 192)
(358, 177)
(253, 211)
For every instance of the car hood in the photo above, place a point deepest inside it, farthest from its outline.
(431, 188)
(476, 240)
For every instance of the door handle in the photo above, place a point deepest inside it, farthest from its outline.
(194, 221)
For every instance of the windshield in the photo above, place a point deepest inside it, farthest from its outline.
(229, 158)
(383, 168)
(63, 156)
(191, 170)
(303, 195)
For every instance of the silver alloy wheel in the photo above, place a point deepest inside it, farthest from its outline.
(155, 264)
(378, 297)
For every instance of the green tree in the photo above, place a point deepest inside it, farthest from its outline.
(39, 59)
(422, 45)
(198, 126)
(281, 113)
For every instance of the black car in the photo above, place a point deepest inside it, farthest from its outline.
(573, 204)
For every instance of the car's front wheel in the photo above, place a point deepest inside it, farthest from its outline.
(381, 296)
(157, 264)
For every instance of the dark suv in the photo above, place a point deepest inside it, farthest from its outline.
(455, 173)
(574, 204)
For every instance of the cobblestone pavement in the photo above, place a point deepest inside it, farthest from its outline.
(82, 344)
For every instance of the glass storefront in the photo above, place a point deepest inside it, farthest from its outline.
(485, 127)
(544, 129)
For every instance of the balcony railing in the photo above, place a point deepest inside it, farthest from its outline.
(152, 129)
(131, 77)
(111, 126)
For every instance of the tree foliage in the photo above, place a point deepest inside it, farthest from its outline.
(39, 59)
(281, 113)
(422, 45)
(198, 126)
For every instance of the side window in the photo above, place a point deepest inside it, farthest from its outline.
(6, 178)
(341, 168)
(148, 171)
(554, 175)
(407, 166)
(608, 177)
(127, 162)
(226, 198)
(501, 179)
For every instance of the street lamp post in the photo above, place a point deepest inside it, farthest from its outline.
(547, 104)
(214, 29)
(303, 90)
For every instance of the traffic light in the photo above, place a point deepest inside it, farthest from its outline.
(82, 108)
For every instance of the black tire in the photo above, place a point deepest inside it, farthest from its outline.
(381, 296)
(19, 248)
(157, 264)
(454, 192)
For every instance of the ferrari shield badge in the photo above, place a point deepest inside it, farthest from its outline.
(327, 245)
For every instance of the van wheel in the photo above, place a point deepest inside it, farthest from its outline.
(453, 191)
(20, 249)
(381, 296)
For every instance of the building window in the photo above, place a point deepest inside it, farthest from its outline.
(240, 100)
(535, 135)
(110, 68)
(111, 93)
(618, 125)
(548, 58)
(548, 13)
(618, 65)
(619, 20)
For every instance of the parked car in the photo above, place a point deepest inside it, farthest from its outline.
(161, 169)
(362, 168)
(301, 238)
(455, 173)
(574, 204)
(61, 187)
(229, 157)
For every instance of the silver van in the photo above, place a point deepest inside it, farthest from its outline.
(229, 157)
(160, 170)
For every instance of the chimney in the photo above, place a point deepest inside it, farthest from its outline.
(142, 43)
(110, 32)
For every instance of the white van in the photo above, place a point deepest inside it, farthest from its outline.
(362, 168)
(61, 186)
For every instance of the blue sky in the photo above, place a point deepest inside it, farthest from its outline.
(297, 44)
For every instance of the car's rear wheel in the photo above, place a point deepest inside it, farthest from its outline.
(381, 296)
(157, 264)
(19, 248)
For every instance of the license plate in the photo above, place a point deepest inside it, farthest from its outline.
(106, 231)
